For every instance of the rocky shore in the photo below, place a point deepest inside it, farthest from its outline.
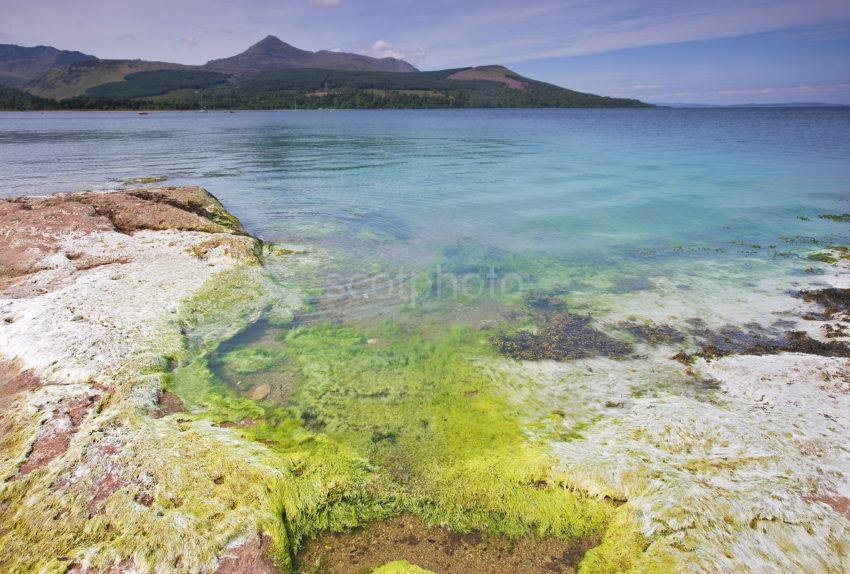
(133, 441)
(93, 292)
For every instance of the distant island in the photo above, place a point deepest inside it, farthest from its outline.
(269, 75)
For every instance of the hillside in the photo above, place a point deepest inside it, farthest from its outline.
(77, 78)
(271, 54)
(488, 86)
(19, 64)
(14, 99)
(481, 87)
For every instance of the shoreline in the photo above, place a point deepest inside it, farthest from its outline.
(91, 307)
(113, 302)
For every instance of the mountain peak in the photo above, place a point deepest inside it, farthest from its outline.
(272, 45)
(271, 53)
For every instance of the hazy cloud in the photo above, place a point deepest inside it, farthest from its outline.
(189, 42)
(325, 3)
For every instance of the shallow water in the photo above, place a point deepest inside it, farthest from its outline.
(390, 194)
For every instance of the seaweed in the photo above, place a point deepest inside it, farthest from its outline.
(562, 336)
(653, 333)
(833, 300)
(843, 217)
(823, 257)
(733, 341)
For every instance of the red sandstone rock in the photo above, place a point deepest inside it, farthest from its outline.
(55, 434)
(32, 228)
(110, 483)
(13, 380)
(840, 504)
(250, 557)
(169, 403)
(129, 213)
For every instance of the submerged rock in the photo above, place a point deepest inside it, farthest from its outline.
(144, 180)
(260, 392)
(253, 556)
(405, 545)
(560, 336)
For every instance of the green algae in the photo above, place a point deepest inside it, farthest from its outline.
(248, 360)
(400, 567)
(166, 486)
(823, 257)
(371, 430)
(412, 425)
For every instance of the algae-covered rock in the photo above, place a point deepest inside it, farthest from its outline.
(144, 180)
(92, 451)
(400, 567)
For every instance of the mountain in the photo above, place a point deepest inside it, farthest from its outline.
(19, 64)
(271, 53)
(272, 74)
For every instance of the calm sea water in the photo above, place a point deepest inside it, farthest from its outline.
(394, 192)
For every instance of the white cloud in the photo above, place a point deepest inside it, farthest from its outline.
(383, 49)
(325, 3)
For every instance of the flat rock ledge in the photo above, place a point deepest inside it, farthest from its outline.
(91, 286)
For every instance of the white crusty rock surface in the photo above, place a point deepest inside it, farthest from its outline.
(94, 474)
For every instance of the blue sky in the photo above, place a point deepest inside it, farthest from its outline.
(717, 51)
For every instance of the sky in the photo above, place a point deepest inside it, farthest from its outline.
(661, 51)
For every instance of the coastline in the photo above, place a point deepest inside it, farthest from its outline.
(105, 293)
(92, 318)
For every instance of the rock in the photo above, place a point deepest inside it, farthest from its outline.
(144, 180)
(840, 504)
(260, 392)
(189, 209)
(93, 288)
(249, 557)
(126, 566)
(34, 228)
(169, 403)
(55, 434)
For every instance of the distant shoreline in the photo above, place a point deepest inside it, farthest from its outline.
(244, 110)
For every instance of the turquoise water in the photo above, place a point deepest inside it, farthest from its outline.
(392, 194)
